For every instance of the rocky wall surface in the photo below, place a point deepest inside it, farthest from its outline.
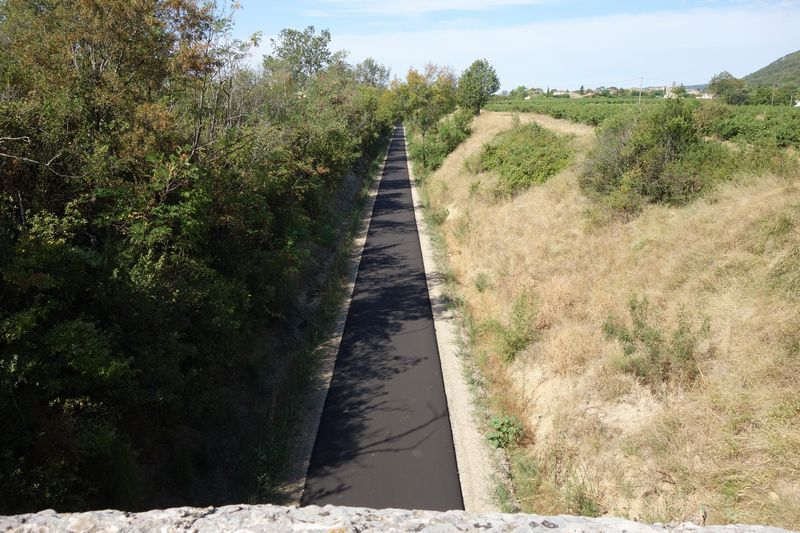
(245, 518)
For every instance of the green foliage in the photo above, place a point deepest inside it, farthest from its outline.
(482, 282)
(761, 125)
(654, 357)
(725, 86)
(476, 85)
(783, 71)
(303, 53)
(370, 72)
(592, 111)
(656, 156)
(506, 431)
(757, 124)
(512, 339)
(660, 156)
(524, 156)
(430, 150)
(581, 500)
(161, 209)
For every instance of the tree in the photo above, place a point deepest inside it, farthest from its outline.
(370, 72)
(476, 85)
(731, 89)
(304, 53)
(520, 92)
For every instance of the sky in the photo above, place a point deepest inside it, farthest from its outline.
(546, 43)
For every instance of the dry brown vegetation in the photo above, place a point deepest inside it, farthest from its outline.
(721, 278)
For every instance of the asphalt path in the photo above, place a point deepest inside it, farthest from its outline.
(384, 439)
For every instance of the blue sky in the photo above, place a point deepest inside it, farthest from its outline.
(547, 43)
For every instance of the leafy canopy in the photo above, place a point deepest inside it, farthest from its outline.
(476, 85)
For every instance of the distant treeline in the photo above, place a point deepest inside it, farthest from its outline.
(159, 206)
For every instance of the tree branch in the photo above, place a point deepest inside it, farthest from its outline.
(35, 162)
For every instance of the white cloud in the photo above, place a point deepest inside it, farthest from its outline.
(682, 46)
(409, 7)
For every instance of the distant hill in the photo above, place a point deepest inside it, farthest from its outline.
(784, 71)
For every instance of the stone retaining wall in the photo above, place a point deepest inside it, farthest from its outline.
(329, 519)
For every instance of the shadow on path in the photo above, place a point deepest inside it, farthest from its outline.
(384, 439)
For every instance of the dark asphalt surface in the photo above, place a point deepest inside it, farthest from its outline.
(384, 438)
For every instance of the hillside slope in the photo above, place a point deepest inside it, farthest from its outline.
(783, 71)
(721, 279)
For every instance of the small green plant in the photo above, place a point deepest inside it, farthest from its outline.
(520, 332)
(522, 329)
(482, 282)
(474, 188)
(786, 273)
(506, 431)
(654, 357)
(581, 501)
(438, 216)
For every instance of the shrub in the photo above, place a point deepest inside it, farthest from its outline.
(654, 357)
(524, 156)
(431, 150)
(656, 156)
(521, 331)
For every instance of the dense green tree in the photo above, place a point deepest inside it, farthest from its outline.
(303, 53)
(519, 92)
(731, 89)
(370, 72)
(476, 85)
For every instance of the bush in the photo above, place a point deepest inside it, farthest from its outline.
(524, 156)
(521, 331)
(657, 156)
(650, 355)
(431, 150)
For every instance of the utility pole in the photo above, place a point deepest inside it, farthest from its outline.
(641, 86)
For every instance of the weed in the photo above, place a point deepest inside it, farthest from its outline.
(649, 354)
(786, 273)
(474, 188)
(438, 216)
(521, 331)
(472, 164)
(482, 282)
(506, 431)
(462, 228)
(581, 500)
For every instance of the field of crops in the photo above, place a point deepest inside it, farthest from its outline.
(757, 124)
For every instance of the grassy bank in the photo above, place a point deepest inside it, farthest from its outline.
(648, 359)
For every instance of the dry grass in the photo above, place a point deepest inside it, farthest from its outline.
(728, 441)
